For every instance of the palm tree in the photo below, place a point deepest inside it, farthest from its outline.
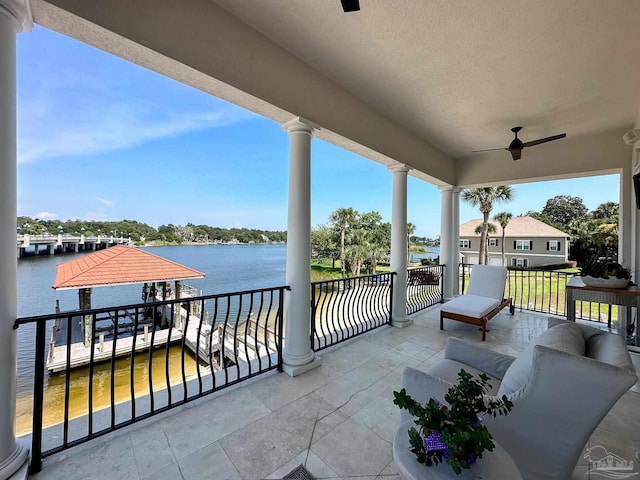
(491, 229)
(341, 219)
(484, 197)
(411, 229)
(503, 218)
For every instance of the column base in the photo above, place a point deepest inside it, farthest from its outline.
(402, 322)
(15, 466)
(295, 370)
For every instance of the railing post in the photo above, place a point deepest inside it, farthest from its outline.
(38, 398)
(280, 322)
(392, 274)
(442, 274)
(464, 277)
(314, 308)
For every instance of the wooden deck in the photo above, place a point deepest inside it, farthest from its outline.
(77, 355)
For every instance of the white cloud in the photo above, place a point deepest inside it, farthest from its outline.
(74, 112)
(46, 215)
(114, 128)
(105, 202)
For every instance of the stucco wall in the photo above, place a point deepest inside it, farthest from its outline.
(538, 255)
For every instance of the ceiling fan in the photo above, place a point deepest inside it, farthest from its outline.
(516, 146)
(350, 5)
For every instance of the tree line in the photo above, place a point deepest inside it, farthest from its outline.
(141, 232)
(590, 230)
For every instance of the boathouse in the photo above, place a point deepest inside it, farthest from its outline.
(120, 265)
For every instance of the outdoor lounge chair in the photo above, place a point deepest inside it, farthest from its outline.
(483, 299)
(562, 385)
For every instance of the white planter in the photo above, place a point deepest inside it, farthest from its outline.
(605, 282)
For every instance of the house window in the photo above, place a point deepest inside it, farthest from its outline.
(522, 245)
(520, 262)
(553, 246)
(493, 242)
(465, 243)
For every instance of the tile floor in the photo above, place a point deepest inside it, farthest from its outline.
(337, 420)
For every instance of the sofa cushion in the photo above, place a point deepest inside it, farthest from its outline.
(448, 370)
(603, 347)
(471, 305)
(566, 337)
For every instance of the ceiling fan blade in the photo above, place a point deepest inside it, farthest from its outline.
(544, 140)
(350, 5)
(488, 150)
(516, 154)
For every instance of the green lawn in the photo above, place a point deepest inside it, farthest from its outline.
(322, 269)
(544, 291)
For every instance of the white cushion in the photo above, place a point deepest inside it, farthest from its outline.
(487, 281)
(471, 305)
(566, 337)
(448, 370)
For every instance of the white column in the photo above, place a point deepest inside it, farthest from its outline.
(634, 227)
(455, 238)
(15, 16)
(627, 202)
(446, 240)
(399, 245)
(298, 357)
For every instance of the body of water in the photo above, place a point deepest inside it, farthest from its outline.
(228, 268)
(431, 252)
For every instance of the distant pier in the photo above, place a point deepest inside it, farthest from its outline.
(61, 243)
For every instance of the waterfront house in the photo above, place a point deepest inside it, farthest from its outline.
(415, 86)
(527, 243)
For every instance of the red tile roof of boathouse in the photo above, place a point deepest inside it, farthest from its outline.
(119, 265)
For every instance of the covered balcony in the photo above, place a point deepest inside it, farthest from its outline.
(414, 85)
(337, 421)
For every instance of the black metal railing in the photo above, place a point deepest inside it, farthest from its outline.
(424, 287)
(544, 291)
(103, 369)
(344, 308)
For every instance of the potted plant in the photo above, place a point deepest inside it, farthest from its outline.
(453, 433)
(599, 270)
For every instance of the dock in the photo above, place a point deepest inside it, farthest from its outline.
(62, 243)
(210, 344)
(80, 355)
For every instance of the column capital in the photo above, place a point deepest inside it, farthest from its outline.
(20, 12)
(299, 125)
(399, 168)
(457, 190)
(446, 188)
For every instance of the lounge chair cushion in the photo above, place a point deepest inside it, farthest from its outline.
(566, 337)
(474, 306)
(487, 281)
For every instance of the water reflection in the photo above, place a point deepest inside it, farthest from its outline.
(54, 394)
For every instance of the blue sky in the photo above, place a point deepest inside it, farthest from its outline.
(100, 138)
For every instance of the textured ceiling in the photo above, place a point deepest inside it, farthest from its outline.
(460, 74)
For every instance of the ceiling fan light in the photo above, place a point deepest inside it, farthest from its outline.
(350, 5)
(516, 144)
